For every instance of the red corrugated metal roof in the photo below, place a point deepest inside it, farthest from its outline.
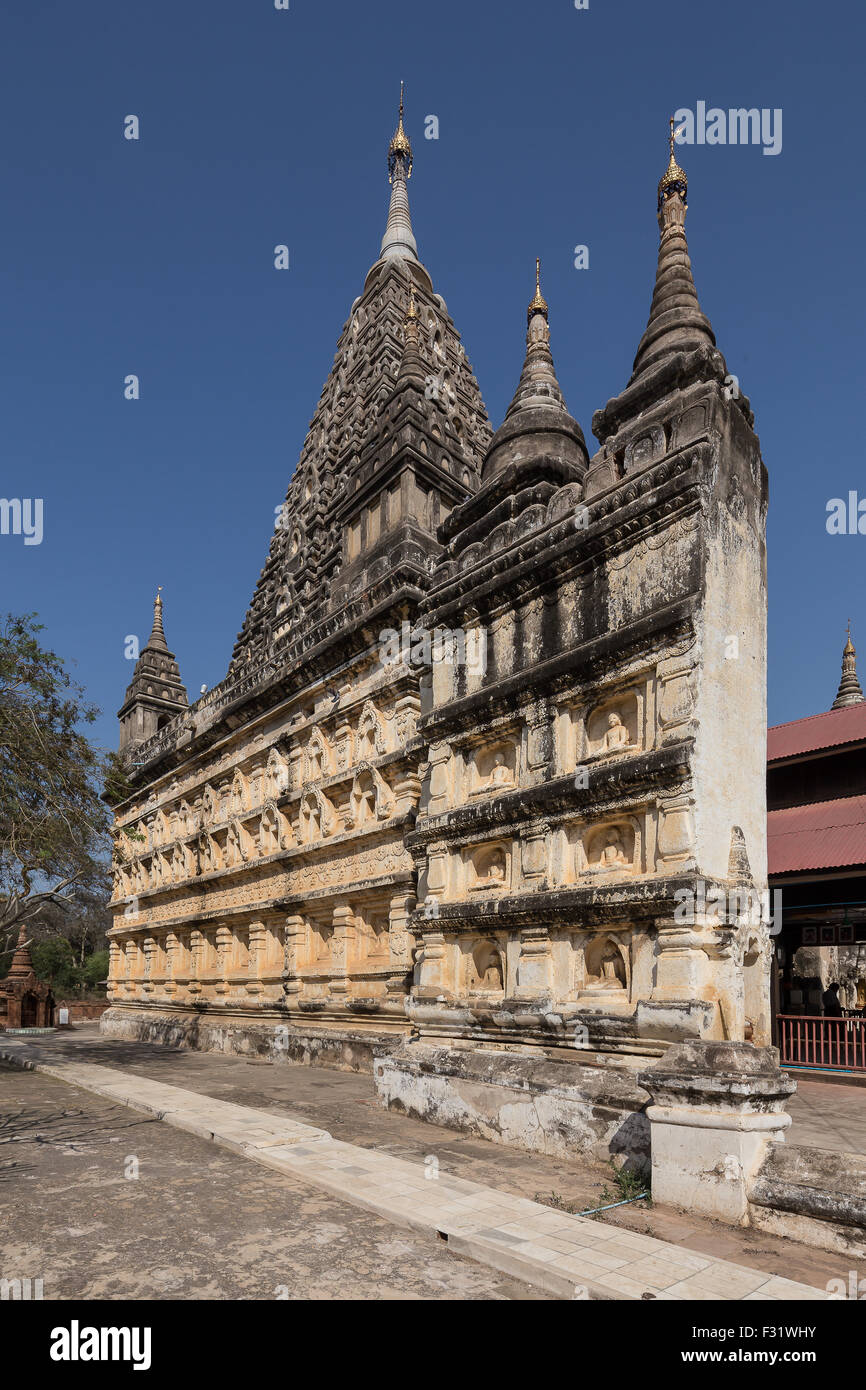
(817, 731)
(823, 835)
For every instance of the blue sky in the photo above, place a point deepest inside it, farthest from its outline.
(261, 127)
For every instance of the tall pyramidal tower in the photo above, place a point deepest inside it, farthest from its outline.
(380, 468)
(261, 857)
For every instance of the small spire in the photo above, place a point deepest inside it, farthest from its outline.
(850, 691)
(676, 322)
(399, 239)
(157, 636)
(538, 385)
(21, 965)
(537, 418)
(537, 305)
(411, 363)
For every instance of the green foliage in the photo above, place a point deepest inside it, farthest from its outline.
(627, 1184)
(556, 1200)
(54, 825)
(54, 961)
(95, 969)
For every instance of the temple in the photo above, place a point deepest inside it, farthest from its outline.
(490, 744)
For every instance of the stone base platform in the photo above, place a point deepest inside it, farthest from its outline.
(814, 1196)
(347, 1049)
(528, 1102)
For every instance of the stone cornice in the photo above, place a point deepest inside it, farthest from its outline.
(632, 901)
(626, 781)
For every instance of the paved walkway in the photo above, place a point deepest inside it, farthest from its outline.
(102, 1202)
(567, 1256)
(828, 1116)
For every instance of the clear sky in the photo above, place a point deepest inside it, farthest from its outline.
(261, 126)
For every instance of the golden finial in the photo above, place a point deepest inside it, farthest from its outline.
(411, 311)
(399, 148)
(159, 594)
(673, 180)
(849, 645)
(537, 305)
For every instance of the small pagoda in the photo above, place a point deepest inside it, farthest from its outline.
(25, 1000)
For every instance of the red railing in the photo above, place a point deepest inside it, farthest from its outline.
(811, 1040)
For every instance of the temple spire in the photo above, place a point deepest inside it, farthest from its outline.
(399, 239)
(538, 385)
(537, 409)
(676, 323)
(850, 691)
(156, 692)
(22, 961)
(157, 636)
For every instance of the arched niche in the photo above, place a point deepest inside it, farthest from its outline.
(493, 768)
(607, 967)
(486, 969)
(610, 849)
(370, 740)
(614, 726)
(317, 758)
(489, 868)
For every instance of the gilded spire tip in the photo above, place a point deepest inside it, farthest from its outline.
(400, 147)
(538, 304)
(673, 180)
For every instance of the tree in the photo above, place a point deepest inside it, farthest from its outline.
(53, 961)
(54, 825)
(95, 970)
